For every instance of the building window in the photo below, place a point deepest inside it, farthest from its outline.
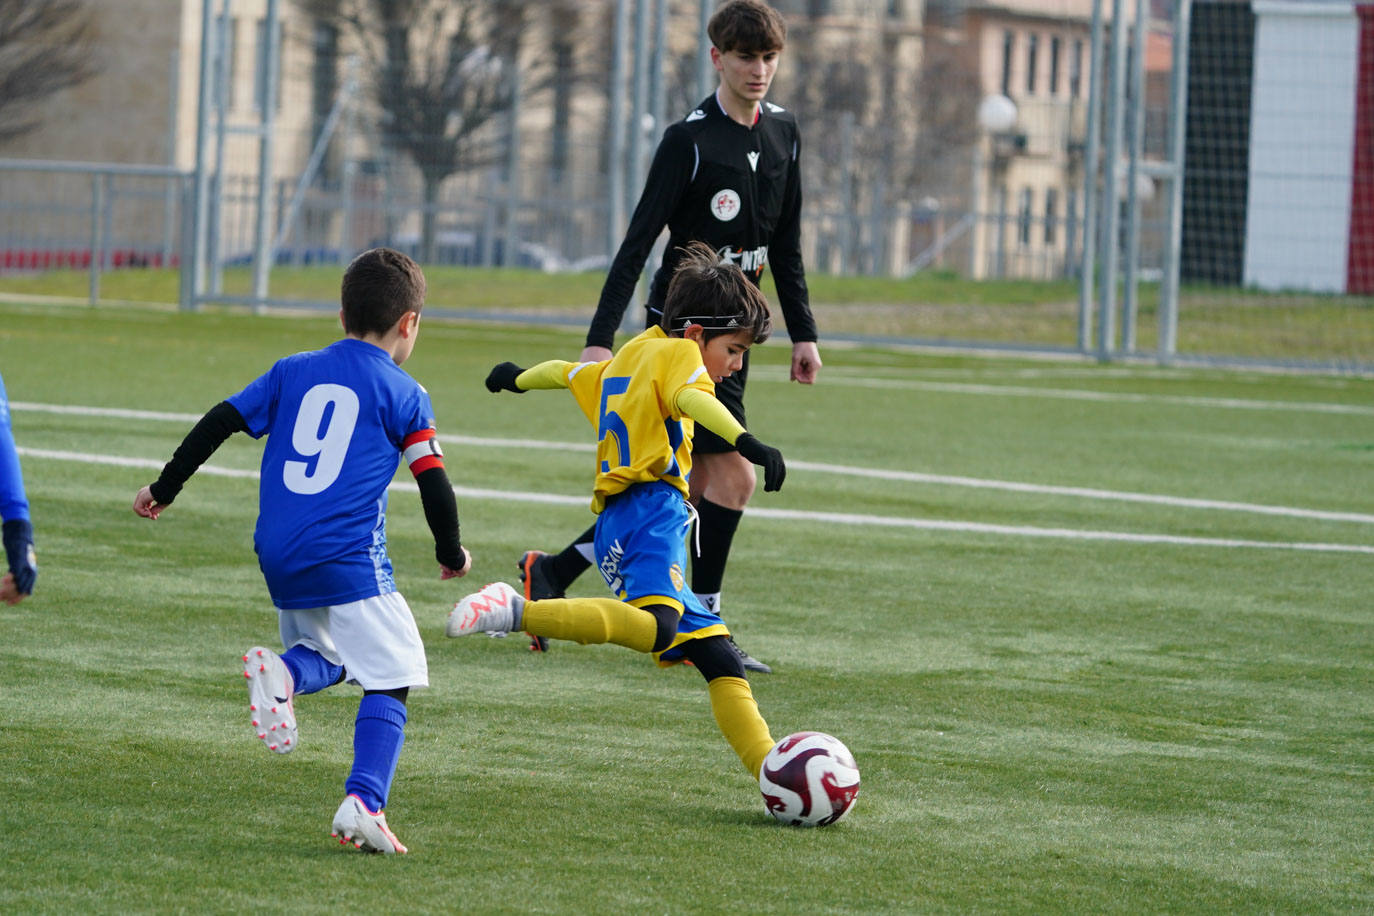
(560, 148)
(1056, 49)
(222, 79)
(325, 74)
(1032, 61)
(1076, 69)
(1008, 49)
(1071, 218)
(1023, 218)
(260, 68)
(1051, 214)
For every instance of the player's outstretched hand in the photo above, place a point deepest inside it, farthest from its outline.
(448, 572)
(502, 378)
(9, 593)
(146, 506)
(23, 562)
(806, 362)
(766, 457)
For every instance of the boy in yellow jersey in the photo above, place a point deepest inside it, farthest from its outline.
(645, 403)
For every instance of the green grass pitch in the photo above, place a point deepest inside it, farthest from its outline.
(1099, 636)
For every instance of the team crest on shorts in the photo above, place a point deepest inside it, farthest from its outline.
(725, 205)
(679, 580)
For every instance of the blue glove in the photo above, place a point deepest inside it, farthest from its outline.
(18, 537)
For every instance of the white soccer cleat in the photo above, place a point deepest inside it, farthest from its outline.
(496, 608)
(269, 699)
(366, 830)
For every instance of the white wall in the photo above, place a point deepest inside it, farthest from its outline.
(1302, 123)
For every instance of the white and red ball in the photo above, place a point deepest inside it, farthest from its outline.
(809, 779)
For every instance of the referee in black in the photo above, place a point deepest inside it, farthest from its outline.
(728, 175)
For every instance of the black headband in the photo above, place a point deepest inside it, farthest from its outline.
(731, 322)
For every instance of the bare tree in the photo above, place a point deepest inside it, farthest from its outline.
(879, 138)
(947, 100)
(441, 75)
(45, 47)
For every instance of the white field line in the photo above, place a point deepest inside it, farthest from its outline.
(834, 518)
(1182, 502)
(1072, 394)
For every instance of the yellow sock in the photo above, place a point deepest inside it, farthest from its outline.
(591, 620)
(738, 716)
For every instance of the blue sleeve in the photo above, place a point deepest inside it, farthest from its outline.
(416, 413)
(13, 503)
(257, 401)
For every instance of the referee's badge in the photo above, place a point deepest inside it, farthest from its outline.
(725, 205)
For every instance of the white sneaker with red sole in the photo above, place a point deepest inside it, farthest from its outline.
(269, 699)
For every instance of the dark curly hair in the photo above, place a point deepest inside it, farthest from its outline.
(715, 294)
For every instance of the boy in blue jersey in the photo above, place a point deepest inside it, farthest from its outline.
(646, 403)
(14, 509)
(337, 422)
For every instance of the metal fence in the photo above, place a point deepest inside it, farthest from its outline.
(1226, 214)
(96, 218)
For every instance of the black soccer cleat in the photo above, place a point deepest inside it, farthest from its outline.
(538, 586)
(750, 663)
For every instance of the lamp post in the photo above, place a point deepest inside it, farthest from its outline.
(996, 115)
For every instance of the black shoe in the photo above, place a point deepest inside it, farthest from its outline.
(538, 586)
(750, 663)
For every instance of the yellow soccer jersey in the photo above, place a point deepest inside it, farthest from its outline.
(641, 435)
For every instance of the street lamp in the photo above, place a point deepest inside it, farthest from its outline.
(996, 113)
(996, 119)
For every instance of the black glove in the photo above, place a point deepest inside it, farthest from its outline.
(502, 378)
(766, 457)
(18, 536)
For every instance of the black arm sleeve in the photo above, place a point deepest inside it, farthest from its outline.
(669, 174)
(785, 261)
(441, 512)
(221, 422)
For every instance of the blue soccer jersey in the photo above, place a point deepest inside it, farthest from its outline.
(336, 420)
(13, 503)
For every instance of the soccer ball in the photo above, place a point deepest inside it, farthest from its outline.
(809, 779)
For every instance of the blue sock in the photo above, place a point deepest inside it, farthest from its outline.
(377, 739)
(310, 671)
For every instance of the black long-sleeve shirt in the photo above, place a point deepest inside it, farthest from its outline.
(736, 188)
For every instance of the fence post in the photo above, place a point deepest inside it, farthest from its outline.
(1178, 114)
(97, 243)
(1129, 292)
(1111, 199)
(186, 289)
(1087, 273)
(262, 229)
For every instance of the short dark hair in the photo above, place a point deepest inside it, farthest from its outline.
(715, 294)
(380, 286)
(748, 26)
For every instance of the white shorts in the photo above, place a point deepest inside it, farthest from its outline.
(375, 639)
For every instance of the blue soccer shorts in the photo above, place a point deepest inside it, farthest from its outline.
(641, 550)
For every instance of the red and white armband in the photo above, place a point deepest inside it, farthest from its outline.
(421, 451)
